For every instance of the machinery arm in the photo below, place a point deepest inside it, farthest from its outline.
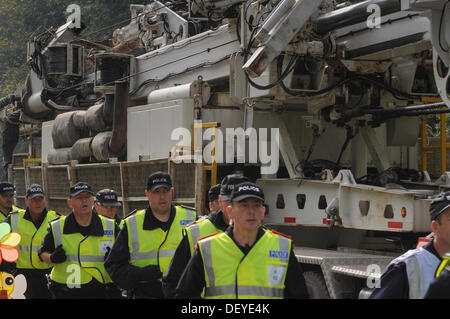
(279, 29)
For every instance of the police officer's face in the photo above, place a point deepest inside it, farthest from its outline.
(214, 206)
(223, 205)
(6, 201)
(160, 199)
(441, 229)
(82, 203)
(247, 214)
(108, 211)
(35, 205)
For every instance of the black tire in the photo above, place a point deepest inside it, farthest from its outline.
(315, 284)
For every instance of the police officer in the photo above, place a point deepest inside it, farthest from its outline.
(7, 192)
(148, 239)
(410, 275)
(76, 245)
(215, 222)
(106, 204)
(246, 261)
(440, 286)
(31, 223)
(213, 198)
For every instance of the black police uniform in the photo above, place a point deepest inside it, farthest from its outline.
(440, 286)
(394, 282)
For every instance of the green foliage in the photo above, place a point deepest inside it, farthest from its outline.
(20, 20)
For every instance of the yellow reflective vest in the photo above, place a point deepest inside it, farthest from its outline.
(31, 239)
(445, 264)
(85, 254)
(156, 246)
(201, 228)
(230, 274)
(13, 209)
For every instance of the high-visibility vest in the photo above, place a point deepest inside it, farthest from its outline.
(85, 254)
(201, 228)
(13, 209)
(445, 264)
(31, 239)
(260, 274)
(421, 266)
(156, 247)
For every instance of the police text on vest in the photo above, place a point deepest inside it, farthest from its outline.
(247, 308)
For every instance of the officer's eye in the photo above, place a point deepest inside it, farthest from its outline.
(9, 281)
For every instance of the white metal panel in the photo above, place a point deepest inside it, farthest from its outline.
(310, 215)
(150, 127)
(206, 54)
(47, 140)
(359, 36)
(350, 196)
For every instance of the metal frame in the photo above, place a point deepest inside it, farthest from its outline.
(334, 264)
(121, 176)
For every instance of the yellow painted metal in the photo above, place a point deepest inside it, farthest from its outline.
(443, 145)
(213, 166)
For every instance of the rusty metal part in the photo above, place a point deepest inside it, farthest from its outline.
(121, 102)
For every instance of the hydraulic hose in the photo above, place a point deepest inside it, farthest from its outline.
(8, 100)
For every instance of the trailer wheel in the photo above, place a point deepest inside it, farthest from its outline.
(316, 286)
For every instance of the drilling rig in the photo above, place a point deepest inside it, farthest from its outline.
(323, 104)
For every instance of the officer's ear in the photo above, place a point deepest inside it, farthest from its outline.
(229, 211)
(69, 203)
(435, 225)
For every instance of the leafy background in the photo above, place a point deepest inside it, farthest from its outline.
(20, 19)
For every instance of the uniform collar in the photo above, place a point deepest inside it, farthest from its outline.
(71, 226)
(246, 249)
(151, 222)
(116, 218)
(10, 210)
(38, 222)
(217, 219)
(430, 247)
